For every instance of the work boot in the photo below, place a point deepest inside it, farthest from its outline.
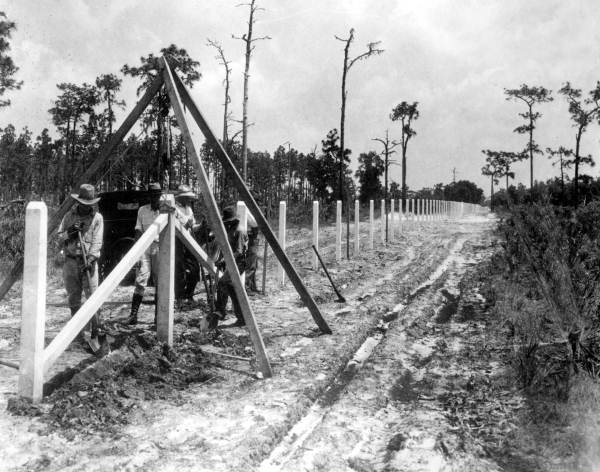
(136, 301)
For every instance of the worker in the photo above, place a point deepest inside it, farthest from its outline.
(148, 264)
(186, 264)
(238, 240)
(252, 254)
(81, 231)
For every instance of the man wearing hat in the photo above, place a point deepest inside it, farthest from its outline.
(148, 264)
(238, 240)
(186, 265)
(81, 231)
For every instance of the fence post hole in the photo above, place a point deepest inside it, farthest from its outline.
(356, 227)
(392, 219)
(315, 233)
(242, 214)
(371, 224)
(282, 218)
(338, 230)
(33, 304)
(166, 283)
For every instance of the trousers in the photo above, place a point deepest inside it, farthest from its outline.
(147, 267)
(76, 283)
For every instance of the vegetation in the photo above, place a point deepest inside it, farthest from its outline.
(7, 66)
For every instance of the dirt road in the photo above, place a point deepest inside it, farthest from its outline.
(410, 379)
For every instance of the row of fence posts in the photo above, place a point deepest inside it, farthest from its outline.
(417, 210)
(35, 359)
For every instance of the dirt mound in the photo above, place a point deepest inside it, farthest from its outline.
(100, 399)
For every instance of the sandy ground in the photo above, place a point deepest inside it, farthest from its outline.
(410, 379)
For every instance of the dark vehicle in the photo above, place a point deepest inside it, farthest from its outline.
(119, 210)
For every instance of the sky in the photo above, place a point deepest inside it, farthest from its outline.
(453, 57)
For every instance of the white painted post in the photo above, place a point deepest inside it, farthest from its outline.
(33, 303)
(356, 228)
(382, 217)
(242, 214)
(371, 224)
(315, 234)
(400, 216)
(338, 231)
(392, 220)
(166, 283)
(282, 220)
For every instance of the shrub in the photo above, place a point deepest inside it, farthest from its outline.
(553, 264)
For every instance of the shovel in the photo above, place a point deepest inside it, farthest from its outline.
(92, 342)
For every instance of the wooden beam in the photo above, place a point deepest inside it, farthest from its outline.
(216, 223)
(282, 233)
(371, 224)
(338, 231)
(92, 304)
(166, 284)
(94, 167)
(33, 303)
(356, 227)
(189, 242)
(315, 233)
(252, 206)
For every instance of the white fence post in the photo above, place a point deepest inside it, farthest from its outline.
(371, 224)
(166, 283)
(392, 220)
(356, 227)
(242, 214)
(338, 231)
(383, 220)
(315, 234)
(400, 215)
(282, 220)
(33, 303)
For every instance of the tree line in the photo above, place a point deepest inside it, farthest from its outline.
(83, 115)
(584, 110)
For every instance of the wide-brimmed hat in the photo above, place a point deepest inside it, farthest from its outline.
(185, 191)
(229, 215)
(87, 195)
(154, 187)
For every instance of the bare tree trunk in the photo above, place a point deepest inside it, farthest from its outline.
(530, 148)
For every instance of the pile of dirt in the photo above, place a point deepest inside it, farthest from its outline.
(101, 398)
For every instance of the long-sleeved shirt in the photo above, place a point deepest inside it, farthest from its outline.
(185, 215)
(92, 233)
(145, 217)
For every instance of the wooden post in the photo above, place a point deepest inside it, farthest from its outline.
(371, 224)
(282, 221)
(392, 219)
(383, 221)
(166, 283)
(242, 214)
(33, 303)
(244, 192)
(400, 216)
(215, 220)
(338, 231)
(315, 235)
(356, 228)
